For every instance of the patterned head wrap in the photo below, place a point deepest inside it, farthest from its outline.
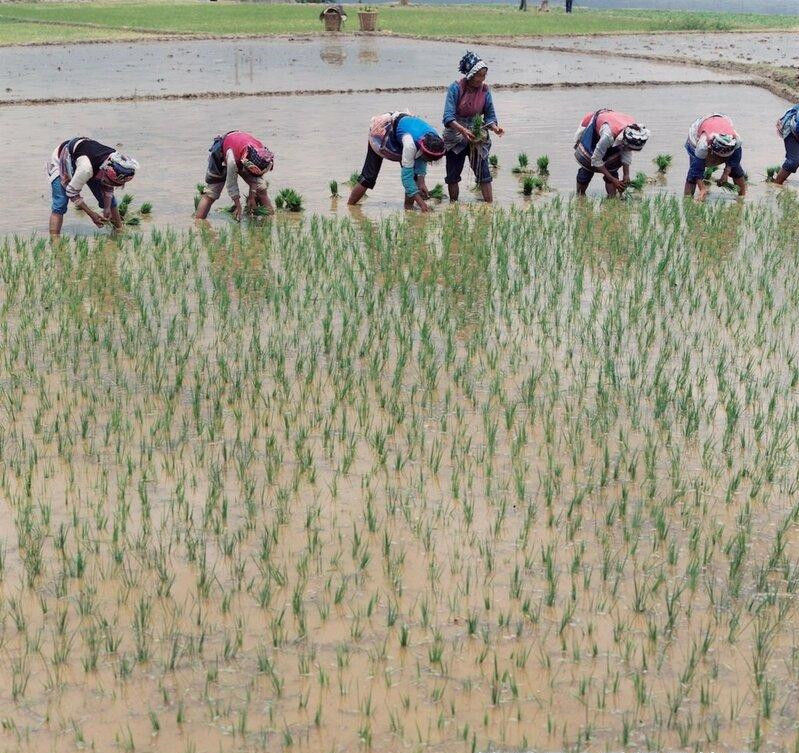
(471, 64)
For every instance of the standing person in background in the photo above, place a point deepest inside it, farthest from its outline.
(788, 129)
(237, 154)
(569, 6)
(83, 162)
(712, 140)
(466, 99)
(604, 142)
(404, 138)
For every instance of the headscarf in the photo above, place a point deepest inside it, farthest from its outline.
(471, 64)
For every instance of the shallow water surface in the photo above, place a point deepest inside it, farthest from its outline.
(320, 138)
(283, 65)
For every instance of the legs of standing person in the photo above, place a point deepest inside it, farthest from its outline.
(696, 171)
(58, 207)
(584, 177)
(569, 5)
(454, 169)
(482, 174)
(368, 176)
(791, 164)
(214, 180)
(737, 173)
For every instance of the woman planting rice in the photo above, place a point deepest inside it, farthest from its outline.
(83, 162)
(237, 154)
(788, 129)
(468, 117)
(604, 142)
(400, 137)
(712, 141)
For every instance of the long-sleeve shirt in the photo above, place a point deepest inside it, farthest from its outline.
(411, 165)
(604, 144)
(232, 175)
(81, 175)
(451, 106)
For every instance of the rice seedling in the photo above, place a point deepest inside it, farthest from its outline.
(493, 161)
(639, 181)
(522, 164)
(542, 164)
(437, 192)
(333, 185)
(289, 199)
(354, 178)
(531, 183)
(663, 163)
(524, 479)
(771, 172)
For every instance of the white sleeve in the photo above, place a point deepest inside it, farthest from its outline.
(232, 182)
(605, 142)
(627, 157)
(408, 151)
(579, 135)
(80, 177)
(701, 147)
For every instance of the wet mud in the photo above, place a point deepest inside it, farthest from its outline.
(318, 139)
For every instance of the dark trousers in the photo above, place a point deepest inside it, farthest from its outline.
(569, 6)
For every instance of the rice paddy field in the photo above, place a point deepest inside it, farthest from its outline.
(510, 480)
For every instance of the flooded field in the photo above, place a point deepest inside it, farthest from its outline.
(317, 139)
(773, 48)
(335, 64)
(514, 480)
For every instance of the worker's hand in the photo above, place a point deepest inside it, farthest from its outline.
(721, 181)
(499, 130)
(97, 219)
(701, 191)
(252, 201)
(467, 134)
(237, 209)
(422, 204)
(619, 185)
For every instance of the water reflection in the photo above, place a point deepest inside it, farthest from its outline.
(333, 54)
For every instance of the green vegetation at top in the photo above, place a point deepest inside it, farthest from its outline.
(252, 18)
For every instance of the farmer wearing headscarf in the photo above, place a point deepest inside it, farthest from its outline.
(83, 162)
(400, 137)
(788, 130)
(604, 142)
(713, 140)
(235, 154)
(467, 98)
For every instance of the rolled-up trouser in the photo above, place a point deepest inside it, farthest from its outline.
(373, 163)
(59, 193)
(791, 164)
(696, 169)
(586, 172)
(456, 161)
(213, 188)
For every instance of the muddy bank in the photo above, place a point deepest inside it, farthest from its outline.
(289, 65)
(319, 139)
(773, 48)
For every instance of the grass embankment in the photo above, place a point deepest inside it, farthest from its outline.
(52, 20)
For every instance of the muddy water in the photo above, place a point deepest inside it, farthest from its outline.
(321, 138)
(115, 70)
(772, 48)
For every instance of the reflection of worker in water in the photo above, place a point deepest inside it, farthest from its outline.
(466, 99)
(712, 141)
(400, 137)
(788, 129)
(83, 162)
(604, 142)
(237, 154)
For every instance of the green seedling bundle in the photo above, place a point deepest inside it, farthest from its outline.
(523, 478)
